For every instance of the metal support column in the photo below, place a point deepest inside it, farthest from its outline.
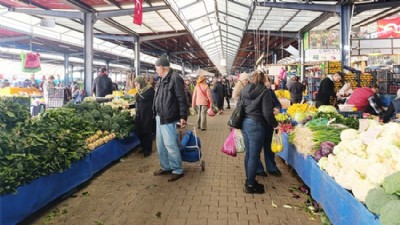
(66, 70)
(300, 40)
(183, 68)
(137, 57)
(88, 53)
(108, 66)
(274, 58)
(72, 73)
(346, 14)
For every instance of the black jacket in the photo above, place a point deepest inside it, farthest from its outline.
(258, 104)
(326, 89)
(144, 121)
(102, 86)
(218, 94)
(170, 99)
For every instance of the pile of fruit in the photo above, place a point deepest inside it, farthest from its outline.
(351, 79)
(133, 91)
(366, 79)
(99, 138)
(17, 91)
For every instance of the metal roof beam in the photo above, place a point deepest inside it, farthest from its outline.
(200, 17)
(238, 3)
(382, 15)
(13, 39)
(116, 37)
(126, 12)
(289, 20)
(185, 52)
(160, 36)
(40, 12)
(316, 22)
(359, 8)
(236, 17)
(302, 6)
(279, 34)
(193, 3)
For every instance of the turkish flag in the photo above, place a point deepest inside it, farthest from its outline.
(389, 27)
(138, 12)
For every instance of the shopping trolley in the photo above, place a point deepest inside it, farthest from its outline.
(190, 145)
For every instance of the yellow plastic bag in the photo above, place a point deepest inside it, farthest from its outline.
(277, 144)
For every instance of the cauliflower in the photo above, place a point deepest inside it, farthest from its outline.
(377, 198)
(346, 178)
(390, 213)
(362, 166)
(377, 172)
(349, 134)
(370, 135)
(332, 167)
(323, 162)
(361, 188)
(391, 183)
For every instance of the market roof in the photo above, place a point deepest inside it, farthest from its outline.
(227, 34)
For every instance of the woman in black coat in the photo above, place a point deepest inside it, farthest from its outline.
(144, 121)
(218, 95)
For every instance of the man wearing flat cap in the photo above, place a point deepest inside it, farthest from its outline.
(170, 107)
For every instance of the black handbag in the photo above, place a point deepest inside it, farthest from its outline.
(237, 116)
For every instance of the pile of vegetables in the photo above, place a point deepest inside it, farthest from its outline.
(282, 118)
(363, 158)
(52, 141)
(282, 94)
(99, 138)
(308, 139)
(324, 150)
(385, 201)
(118, 103)
(338, 118)
(300, 111)
(105, 118)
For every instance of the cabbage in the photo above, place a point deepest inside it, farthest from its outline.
(327, 108)
(300, 116)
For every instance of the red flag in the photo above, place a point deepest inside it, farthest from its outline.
(138, 13)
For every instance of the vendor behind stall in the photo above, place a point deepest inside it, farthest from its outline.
(365, 99)
(393, 109)
(327, 90)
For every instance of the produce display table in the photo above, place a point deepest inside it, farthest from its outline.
(339, 204)
(33, 196)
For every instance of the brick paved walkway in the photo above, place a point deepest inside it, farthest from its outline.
(128, 193)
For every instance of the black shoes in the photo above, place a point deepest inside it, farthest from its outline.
(203, 129)
(175, 177)
(255, 189)
(262, 174)
(161, 172)
(276, 173)
(146, 154)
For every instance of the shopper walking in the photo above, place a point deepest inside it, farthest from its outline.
(201, 101)
(327, 90)
(102, 85)
(227, 90)
(169, 107)
(258, 108)
(243, 81)
(188, 93)
(218, 95)
(144, 120)
(282, 78)
(296, 90)
(269, 156)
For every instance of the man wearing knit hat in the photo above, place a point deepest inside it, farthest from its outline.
(169, 107)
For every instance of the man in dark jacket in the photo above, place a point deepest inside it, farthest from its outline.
(227, 89)
(218, 95)
(296, 90)
(327, 89)
(102, 85)
(170, 107)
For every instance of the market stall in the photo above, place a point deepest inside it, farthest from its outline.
(56, 151)
(347, 163)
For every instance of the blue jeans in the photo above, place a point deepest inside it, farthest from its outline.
(167, 147)
(269, 156)
(253, 135)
